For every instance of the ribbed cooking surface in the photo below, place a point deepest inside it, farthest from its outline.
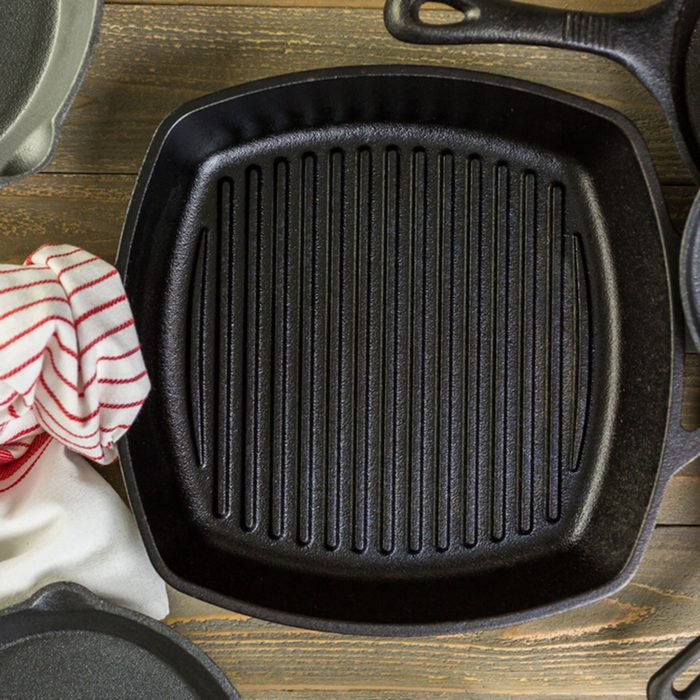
(390, 349)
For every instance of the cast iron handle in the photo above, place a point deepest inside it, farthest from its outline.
(506, 21)
(661, 684)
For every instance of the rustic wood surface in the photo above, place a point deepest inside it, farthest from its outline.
(588, 5)
(151, 58)
(604, 650)
(155, 54)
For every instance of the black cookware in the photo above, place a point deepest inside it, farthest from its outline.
(65, 643)
(45, 49)
(662, 684)
(416, 350)
(660, 45)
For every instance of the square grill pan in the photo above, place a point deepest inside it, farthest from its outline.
(405, 379)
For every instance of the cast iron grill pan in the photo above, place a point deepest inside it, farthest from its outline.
(405, 377)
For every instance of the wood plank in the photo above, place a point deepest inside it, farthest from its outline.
(681, 504)
(88, 210)
(152, 59)
(345, 4)
(608, 649)
(587, 5)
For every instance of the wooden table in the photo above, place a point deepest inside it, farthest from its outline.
(155, 54)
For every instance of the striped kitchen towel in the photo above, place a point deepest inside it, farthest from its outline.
(72, 380)
(70, 361)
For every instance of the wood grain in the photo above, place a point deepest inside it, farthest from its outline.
(151, 59)
(85, 210)
(608, 649)
(587, 5)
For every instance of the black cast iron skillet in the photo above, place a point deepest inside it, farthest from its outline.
(660, 45)
(44, 53)
(416, 349)
(65, 643)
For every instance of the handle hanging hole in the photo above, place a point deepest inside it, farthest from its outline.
(690, 676)
(447, 12)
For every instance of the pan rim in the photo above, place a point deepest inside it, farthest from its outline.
(689, 252)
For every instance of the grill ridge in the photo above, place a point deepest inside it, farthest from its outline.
(336, 350)
(528, 217)
(444, 411)
(278, 466)
(226, 350)
(254, 265)
(556, 359)
(474, 351)
(199, 300)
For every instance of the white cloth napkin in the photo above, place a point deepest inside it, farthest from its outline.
(63, 522)
(71, 378)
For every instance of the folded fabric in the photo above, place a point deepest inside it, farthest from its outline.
(63, 522)
(70, 362)
(71, 376)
